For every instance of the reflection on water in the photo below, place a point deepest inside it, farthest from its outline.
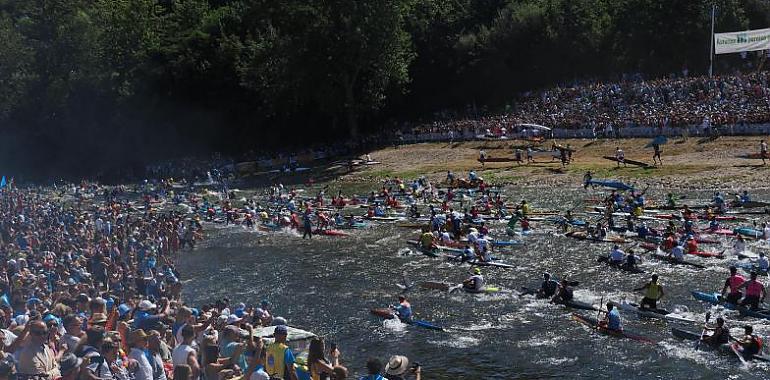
(327, 285)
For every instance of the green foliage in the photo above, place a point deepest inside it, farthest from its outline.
(132, 80)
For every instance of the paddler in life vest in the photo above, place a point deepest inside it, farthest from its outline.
(548, 287)
(617, 255)
(733, 284)
(632, 261)
(762, 263)
(653, 292)
(740, 244)
(279, 360)
(750, 344)
(755, 292)
(714, 225)
(692, 245)
(525, 208)
(564, 294)
(720, 334)
(719, 202)
(670, 201)
(687, 213)
(474, 283)
(611, 318)
(677, 253)
(426, 240)
(404, 310)
(745, 198)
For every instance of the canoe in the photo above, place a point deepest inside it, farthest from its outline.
(386, 313)
(609, 183)
(594, 324)
(629, 162)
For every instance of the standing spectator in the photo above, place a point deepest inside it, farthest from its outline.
(36, 358)
(138, 343)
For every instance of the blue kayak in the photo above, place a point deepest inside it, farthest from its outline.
(505, 242)
(387, 313)
(747, 231)
(609, 183)
(660, 140)
(712, 298)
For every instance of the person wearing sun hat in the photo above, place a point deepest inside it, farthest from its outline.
(138, 343)
(398, 368)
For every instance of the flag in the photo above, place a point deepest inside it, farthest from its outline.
(2, 182)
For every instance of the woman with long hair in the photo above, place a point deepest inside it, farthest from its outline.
(318, 366)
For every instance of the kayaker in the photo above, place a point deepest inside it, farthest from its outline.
(692, 245)
(755, 292)
(404, 309)
(719, 336)
(763, 265)
(632, 260)
(719, 201)
(766, 231)
(474, 283)
(677, 252)
(740, 244)
(564, 293)
(745, 198)
(611, 319)
(308, 226)
(733, 283)
(525, 208)
(750, 344)
(653, 292)
(548, 288)
(670, 201)
(617, 255)
(587, 179)
(426, 240)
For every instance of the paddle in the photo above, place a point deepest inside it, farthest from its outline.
(703, 333)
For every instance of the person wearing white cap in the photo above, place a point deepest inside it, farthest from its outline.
(144, 317)
(398, 368)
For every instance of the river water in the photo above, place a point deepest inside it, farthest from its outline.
(327, 285)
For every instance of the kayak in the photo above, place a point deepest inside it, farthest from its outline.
(751, 267)
(720, 231)
(706, 254)
(746, 231)
(582, 235)
(605, 259)
(572, 304)
(594, 324)
(425, 251)
(498, 264)
(672, 260)
(331, 232)
(653, 313)
(386, 313)
(609, 183)
(503, 243)
(443, 286)
(712, 298)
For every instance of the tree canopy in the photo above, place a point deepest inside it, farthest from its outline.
(89, 85)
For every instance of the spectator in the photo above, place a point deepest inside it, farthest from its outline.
(138, 343)
(36, 358)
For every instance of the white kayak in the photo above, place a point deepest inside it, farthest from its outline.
(654, 313)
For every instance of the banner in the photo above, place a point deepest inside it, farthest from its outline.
(747, 40)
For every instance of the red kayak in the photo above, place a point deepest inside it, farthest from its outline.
(330, 232)
(706, 254)
(720, 231)
(648, 246)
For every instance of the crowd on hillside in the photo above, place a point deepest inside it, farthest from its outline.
(662, 103)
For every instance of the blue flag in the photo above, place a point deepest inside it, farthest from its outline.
(2, 182)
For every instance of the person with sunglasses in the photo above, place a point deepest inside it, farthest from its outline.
(36, 358)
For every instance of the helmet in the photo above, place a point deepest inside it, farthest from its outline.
(476, 271)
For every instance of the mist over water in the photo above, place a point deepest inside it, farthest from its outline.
(328, 284)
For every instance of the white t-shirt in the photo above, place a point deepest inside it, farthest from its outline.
(259, 375)
(180, 354)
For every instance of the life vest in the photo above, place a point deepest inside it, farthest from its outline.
(653, 291)
(754, 288)
(274, 360)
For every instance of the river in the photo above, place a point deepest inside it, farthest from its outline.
(327, 285)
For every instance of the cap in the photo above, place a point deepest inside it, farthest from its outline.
(232, 318)
(281, 329)
(69, 362)
(146, 305)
